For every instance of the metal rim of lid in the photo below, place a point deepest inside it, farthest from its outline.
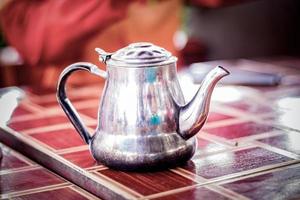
(141, 54)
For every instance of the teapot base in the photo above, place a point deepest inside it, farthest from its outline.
(148, 163)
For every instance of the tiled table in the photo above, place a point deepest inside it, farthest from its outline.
(248, 149)
(22, 178)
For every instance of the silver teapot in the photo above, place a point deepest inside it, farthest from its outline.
(144, 121)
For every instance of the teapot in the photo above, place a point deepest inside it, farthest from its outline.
(144, 121)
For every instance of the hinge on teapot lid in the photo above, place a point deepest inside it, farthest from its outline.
(103, 55)
(137, 55)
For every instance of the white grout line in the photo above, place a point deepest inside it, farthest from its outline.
(241, 140)
(33, 116)
(277, 150)
(79, 105)
(259, 173)
(254, 137)
(219, 141)
(225, 122)
(168, 192)
(34, 190)
(253, 171)
(231, 149)
(97, 168)
(72, 149)
(39, 130)
(20, 169)
(83, 192)
(226, 192)
(121, 186)
(200, 182)
(216, 139)
(17, 155)
(55, 127)
(32, 106)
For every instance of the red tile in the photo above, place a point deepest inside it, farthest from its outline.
(193, 194)
(61, 194)
(47, 98)
(288, 141)
(83, 159)
(91, 112)
(93, 127)
(9, 161)
(25, 180)
(40, 122)
(284, 184)
(46, 104)
(149, 183)
(94, 89)
(52, 101)
(240, 130)
(60, 139)
(250, 107)
(41, 90)
(213, 116)
(20, 111)
(232, 162)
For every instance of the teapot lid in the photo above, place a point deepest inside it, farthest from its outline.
(140, 54)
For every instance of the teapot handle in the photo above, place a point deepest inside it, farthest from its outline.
(66, 103)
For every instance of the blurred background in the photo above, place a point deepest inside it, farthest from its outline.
(40, 38)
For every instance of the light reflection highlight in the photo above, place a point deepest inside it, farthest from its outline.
(289, 109)
(9, 101)
(227, 94)
(293, 139)
(220, 160)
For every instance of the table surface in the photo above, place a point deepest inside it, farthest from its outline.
(22, 178)
(249, 147)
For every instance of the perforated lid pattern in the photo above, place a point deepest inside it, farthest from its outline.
(141, 54)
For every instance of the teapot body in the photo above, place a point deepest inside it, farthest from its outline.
(138, 120)
(144, 122)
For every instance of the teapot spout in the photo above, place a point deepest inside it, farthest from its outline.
(192, 116)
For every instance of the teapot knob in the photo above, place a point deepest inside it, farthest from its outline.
(103, 55)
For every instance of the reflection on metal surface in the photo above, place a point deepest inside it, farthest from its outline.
(144, 123)
(289, 109)
(9, 101)
(192, 116)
